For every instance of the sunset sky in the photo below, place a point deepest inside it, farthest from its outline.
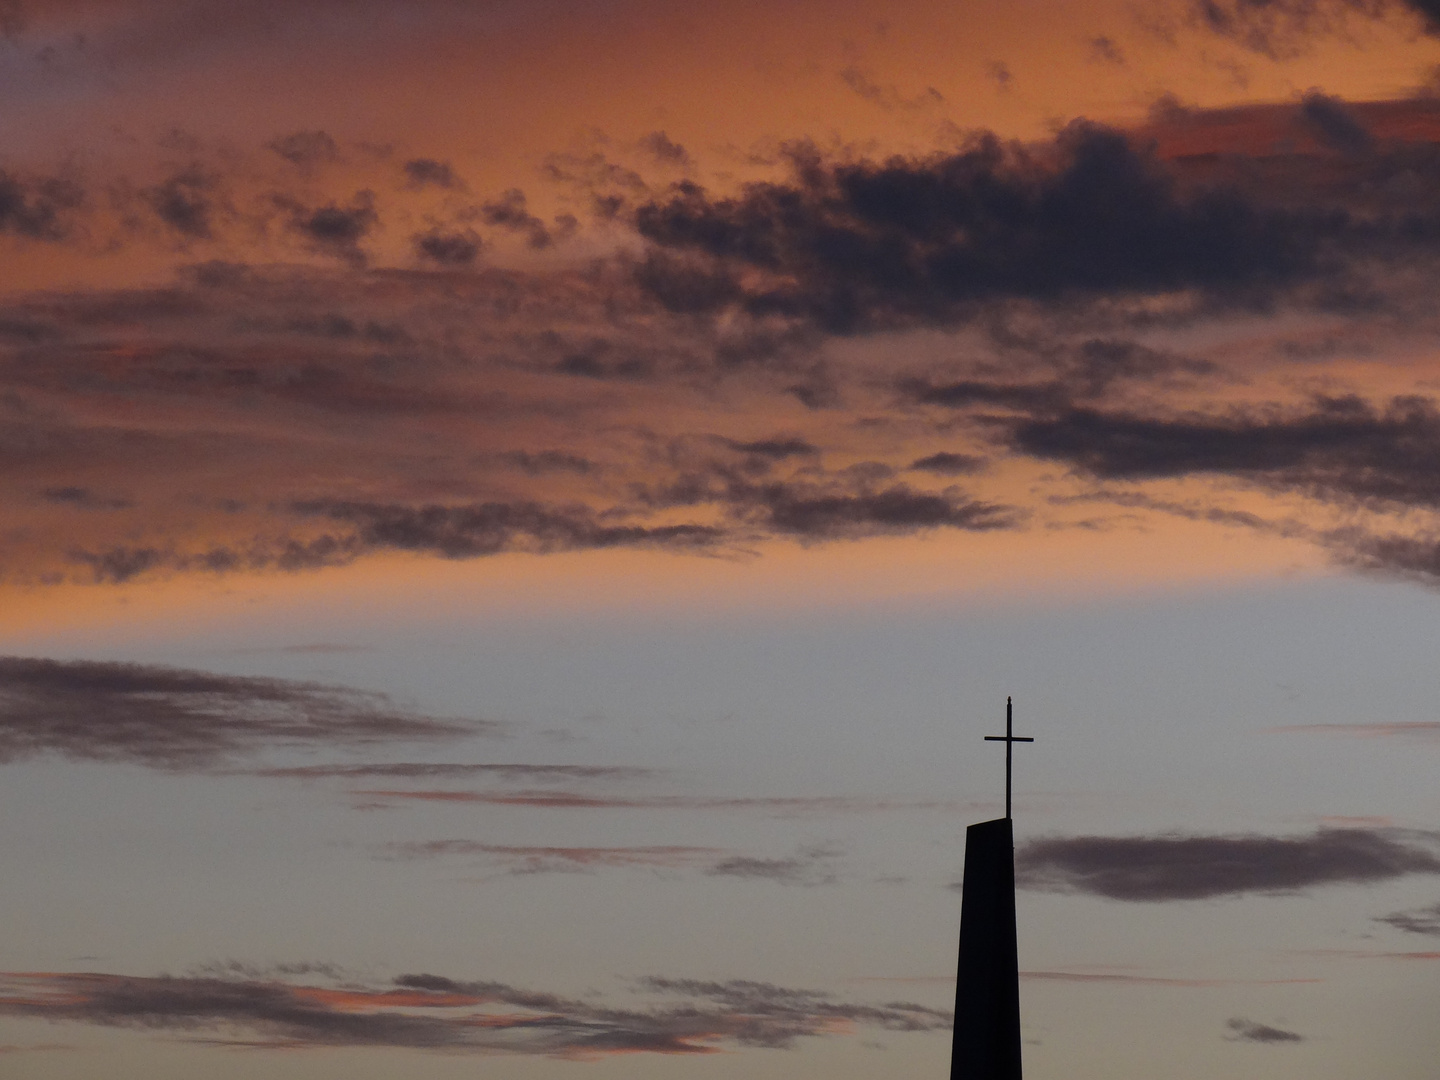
(518, 516)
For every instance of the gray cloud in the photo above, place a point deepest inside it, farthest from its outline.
(427, 770)
(854, 246)
(813, 865)
(575, 800)
(557, 860)
(453, 1015)
(38, 209)
(177, 719)
(1336, 447)
(186, 202)
(306, 148)
(458, 532)
(427, 172)
(1419, 921)
(1281, 29)
(1177, 867)
(333, 229)
(448, 248)
(1251, 1031)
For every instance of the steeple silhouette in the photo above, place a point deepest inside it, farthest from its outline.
(987, 989)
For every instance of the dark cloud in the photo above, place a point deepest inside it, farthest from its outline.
(176, 719)
(452, 1015)
(453, 248)
(1250, 1031)
(427, 172)
(778, 448)
(1281, 29)
(38, 209)
(117, 565)
(334, 229)
(814, 513)
(1337, 448)
(664, 150)
(83, 499)
(459, 532)
(1105, 50)
(185, 202)
(1334, 123)
(549, 461)
(306, 148)
(948, 464)
(856, 245)
(1175, 867)
(1001, 75)
(886, 95)
(510, 212)
(1420, 921)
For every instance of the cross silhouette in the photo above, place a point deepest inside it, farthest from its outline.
(1009, 739)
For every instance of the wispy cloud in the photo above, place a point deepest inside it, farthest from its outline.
(572, 800)
(1417, 921)
(1152, 980)
(810, 865)
(430, 1012)
(1177, 867)
(552, 860)
(1414, 729)
(426, 770)
(179, 719)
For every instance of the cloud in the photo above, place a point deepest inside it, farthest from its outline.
(1282, 29)
(1151, 980)
(38, 209)
(573, 800)
(665, 150)
(1335, 124)
(458, 532)
(510, 212)
(553, 860)
(1104, 50)
(306, 148)
(333, 229)
(425, 770)
(1177, 867)
(419, 396)
(1420, 921)
(427, 172)
(1250, 1031)
(452, 1015)
(948, 464)
(180, 720)
(186, 202)
(860, 245)
(1334, 447)
(1415, 729)
(812, 865)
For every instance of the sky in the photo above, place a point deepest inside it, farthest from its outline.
(518, 516)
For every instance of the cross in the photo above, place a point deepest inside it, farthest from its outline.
(1009, 739)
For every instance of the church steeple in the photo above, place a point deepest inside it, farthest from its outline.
(986, 1043)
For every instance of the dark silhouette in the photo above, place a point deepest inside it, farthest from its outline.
(987, 990)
